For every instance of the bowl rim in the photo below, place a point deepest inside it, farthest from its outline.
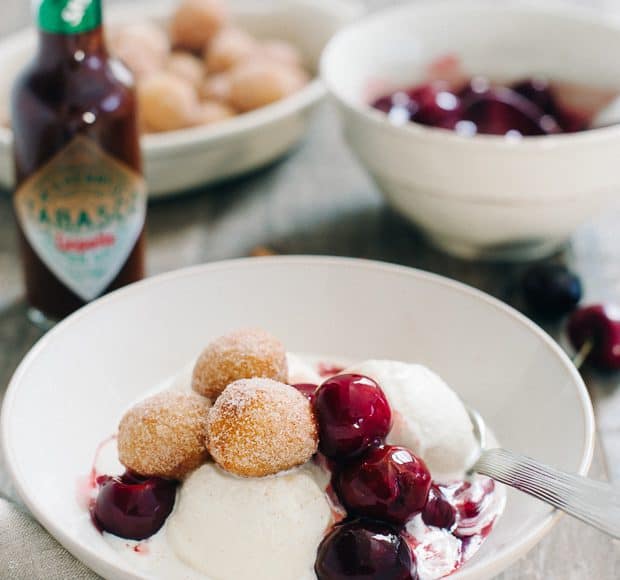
(161, 144)
(103, 564)
(526, 144)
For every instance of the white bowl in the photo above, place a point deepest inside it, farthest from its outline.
(180, 160)
(486, 196)
(71, 389)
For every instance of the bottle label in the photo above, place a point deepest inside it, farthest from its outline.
(68, 16)
(82, 213)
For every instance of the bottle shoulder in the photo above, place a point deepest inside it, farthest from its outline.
(96, 83)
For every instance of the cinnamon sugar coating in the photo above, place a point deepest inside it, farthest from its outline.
(258, 82)
(259, 427)
(243, 354)
(164, 435)
(196, 22)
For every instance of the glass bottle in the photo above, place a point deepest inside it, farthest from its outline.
(80, 200)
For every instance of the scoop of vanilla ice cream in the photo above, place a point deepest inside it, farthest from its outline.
(429, 418)
(301, 371)
(261, 528)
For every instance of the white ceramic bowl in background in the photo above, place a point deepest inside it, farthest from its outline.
(180, 160)
(486, 196)
(71, 389)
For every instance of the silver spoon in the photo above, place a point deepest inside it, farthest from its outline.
(594, 502)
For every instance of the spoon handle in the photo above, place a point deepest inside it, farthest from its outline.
(594, 502)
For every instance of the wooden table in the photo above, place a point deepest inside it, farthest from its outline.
(319, 201)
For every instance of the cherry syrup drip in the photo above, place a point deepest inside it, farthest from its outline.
(141, 548)
(86, 486)
(326, 370)
(308, 390)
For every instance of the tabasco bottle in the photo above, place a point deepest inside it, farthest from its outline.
(80, 200)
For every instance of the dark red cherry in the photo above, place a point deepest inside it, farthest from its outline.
(600, 325)
(540, 92)
(307, 390)
(470, 509)
(365, 550)
(476, 85)
(388, 102)
(551, 290)
(572, 121)
(537, 91)
(383, 104)
(498, 111)
(435, 106)
(438, 511)
(133, 507)
(352, 414)
(387, 483)
(398, 106)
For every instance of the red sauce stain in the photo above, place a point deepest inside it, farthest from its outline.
(411, 540)
(328, 369)
(86, 485)
(141, 548)
(338, 511)
(487, 529)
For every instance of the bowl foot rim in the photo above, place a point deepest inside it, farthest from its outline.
(517, 251)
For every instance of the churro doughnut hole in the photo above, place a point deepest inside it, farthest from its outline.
(211, 112)
(167, 102)
(282, 52)
(216, 88)
(243, 354)
(229, 47)
(259, 427)
(142, 46)
(186, 66)
(259, 82)
(196, 22)
(164, 435)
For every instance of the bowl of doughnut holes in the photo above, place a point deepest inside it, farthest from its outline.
(224, 87)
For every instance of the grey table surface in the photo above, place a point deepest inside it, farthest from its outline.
(319, 201)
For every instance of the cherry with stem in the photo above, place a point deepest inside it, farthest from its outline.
(594, 332)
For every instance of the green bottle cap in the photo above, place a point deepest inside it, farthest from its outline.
(68, 16)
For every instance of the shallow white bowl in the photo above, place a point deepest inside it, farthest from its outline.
(71, 389)
(180, 160)
(481, 197)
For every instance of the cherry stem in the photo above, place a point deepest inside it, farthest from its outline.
(584, 352)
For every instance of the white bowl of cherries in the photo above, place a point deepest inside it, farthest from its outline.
(489, 125)
(223, 480)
